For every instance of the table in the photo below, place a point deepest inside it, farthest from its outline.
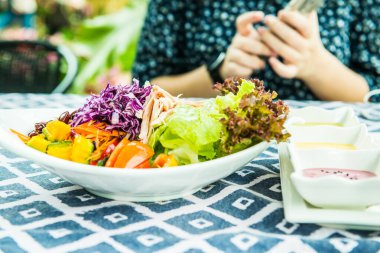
(40, 212)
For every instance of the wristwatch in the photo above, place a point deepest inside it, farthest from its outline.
(213, 68)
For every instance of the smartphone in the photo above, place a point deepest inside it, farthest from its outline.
(304, 6)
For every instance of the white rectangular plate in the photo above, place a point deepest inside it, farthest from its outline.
(299, 211)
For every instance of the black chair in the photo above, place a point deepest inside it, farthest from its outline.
(35, 67)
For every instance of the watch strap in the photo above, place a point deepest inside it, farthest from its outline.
(214, 68)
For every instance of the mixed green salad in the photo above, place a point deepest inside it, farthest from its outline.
(146, 127)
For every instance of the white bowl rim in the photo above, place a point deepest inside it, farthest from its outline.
(295, 117)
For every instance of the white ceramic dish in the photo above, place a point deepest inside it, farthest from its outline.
(331, 137)
(333, 190)
(297, 210)
(315, 116)
(120, 184)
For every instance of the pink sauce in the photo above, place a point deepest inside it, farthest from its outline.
(346, 173)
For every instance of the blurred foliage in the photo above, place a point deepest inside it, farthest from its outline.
(102, 34)
(103, 7)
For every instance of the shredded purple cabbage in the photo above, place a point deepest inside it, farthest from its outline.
(118, 106)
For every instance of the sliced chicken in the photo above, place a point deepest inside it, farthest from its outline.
(159, 105)
(198, 103)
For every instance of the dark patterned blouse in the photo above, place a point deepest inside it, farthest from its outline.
(179, 36)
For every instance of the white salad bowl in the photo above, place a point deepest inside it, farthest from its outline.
(332, 190)
(138, 185)
(314, 116)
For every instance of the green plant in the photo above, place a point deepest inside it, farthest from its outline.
(104, 42)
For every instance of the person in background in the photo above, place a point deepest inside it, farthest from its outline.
(187, 45)
(22, 12)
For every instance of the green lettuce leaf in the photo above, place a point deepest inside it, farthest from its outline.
(189, 133)
(231, 99)
(251, 114)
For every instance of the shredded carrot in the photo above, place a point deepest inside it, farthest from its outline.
(97, 139)
(102, 147)
(96, 132)
(24, 138)
(92, 130)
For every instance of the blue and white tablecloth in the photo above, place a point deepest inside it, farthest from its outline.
(40, 212)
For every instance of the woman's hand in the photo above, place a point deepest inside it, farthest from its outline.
(243, 55)
(294, 37)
